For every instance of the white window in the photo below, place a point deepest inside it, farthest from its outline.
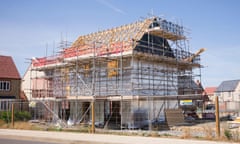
(4, 85)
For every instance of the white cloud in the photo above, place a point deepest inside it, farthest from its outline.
(111, 6)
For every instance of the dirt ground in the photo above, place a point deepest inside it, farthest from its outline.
(196, 130)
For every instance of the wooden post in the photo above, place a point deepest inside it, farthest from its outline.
(12, 114)
(217, 117)
(93, 116)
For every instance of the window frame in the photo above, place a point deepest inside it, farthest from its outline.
(5, 85)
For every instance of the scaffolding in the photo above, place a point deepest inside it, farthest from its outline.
(144, 66)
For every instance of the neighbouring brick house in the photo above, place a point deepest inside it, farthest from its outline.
(10, 82)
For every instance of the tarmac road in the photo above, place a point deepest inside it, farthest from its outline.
(46, 137)
(21, 141)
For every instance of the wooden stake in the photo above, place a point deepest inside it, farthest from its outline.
(93, 117)
(217, 117)
(12, 114)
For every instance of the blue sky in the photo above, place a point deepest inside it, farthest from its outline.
(27, 27)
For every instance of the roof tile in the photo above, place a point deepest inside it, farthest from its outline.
(227, 86)
(210, 90)
(8, 68)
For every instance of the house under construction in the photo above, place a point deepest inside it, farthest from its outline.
(144, 66)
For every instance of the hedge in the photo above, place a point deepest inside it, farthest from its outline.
(18, 116)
